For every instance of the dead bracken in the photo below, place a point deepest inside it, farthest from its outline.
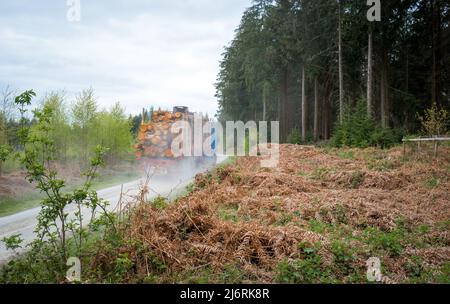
(314, 203)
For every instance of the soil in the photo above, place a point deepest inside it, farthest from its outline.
(14, 184)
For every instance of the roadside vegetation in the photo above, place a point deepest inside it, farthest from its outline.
(76, 128)
(320, 216)
(317, 218)
(56, 232)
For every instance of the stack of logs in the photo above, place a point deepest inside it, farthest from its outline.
(155, 138)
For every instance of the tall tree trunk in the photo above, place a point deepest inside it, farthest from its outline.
(384, 91)
(279, 109)
(325, 118)
(303, 104)
(316, 110)
(328, 118)
(382, 99)
(369, 77)
(264, 103)
(407, 71)
(326, 102)
(435, 23)
(283, 104)
(341, 72)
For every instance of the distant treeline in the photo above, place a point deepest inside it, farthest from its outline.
(77, 127)
(304, 62)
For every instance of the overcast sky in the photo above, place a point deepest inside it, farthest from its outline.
(139, 52)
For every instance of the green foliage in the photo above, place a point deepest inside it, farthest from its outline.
(433, 182)
(13, 242)
(5, 153)
(260, 73)
(54, 224)
(444, 276)
(357, 179)
(61, 132)
(284, 220)
(343, 256)
(91, 127)
(318, 226)
(320, 173)
(355, 130)
(231, 274)
(414, 267)
(295, 137)
(22, 101)
(307, 270)
(358, 130)
(114, 131)
(434, 121)
(390, 241)
(122, 265)
(76, 128)
(381, 165)
(346, 154)
(160, 203)
(386, 138)
(339, 212)
(37, 266)
(229, 213)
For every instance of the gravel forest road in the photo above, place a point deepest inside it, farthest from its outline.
(24, 223)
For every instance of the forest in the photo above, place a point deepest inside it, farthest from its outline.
(78, 126)
(313, 65)
(347, 80)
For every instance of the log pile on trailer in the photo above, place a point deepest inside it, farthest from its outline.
(155, 137)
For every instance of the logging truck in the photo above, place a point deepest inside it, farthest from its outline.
(155, 138)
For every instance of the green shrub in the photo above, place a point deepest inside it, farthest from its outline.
(309, 269)
(390, 241)
(160, 203)
(295, 137)
(360, 131)
(386, 138)
(343, 256)
(357, 179)
(434, 121)
(318, 226)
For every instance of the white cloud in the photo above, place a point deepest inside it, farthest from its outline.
(148, 59)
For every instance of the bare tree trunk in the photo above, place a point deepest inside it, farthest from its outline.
(328, 118)
(341, 72)
(369, 77)
(316, 110)
(407, 71)
(382, 99)
(436, 26)
(384, 91)
(264, 104)
(303, 105)
(279, 108)
(325, 119)
(283, 104)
